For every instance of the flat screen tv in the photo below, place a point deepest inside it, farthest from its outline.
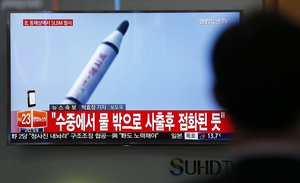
(117, 78)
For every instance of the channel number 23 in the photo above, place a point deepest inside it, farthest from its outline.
(26, 119)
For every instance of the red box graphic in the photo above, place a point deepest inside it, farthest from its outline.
(32, 119)
(138, 121)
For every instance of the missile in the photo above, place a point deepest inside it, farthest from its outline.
(96, 67)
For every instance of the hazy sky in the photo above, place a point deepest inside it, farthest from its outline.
(163, 62)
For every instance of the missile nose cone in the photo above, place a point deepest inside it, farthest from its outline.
(123, 27)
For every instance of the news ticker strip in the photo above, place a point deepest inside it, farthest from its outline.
(96, 137)
(75, 107)
(115, 121)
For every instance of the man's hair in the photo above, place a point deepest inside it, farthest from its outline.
(257, 67)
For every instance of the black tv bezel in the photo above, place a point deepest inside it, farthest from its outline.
(122, 143)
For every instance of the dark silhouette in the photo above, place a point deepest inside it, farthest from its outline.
(257, 66)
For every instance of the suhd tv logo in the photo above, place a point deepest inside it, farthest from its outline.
(179, 166)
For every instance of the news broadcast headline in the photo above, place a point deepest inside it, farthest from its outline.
(47, 22)
(127, 121)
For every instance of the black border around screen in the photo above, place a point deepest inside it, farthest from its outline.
(102, 143)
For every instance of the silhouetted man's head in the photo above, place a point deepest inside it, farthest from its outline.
(257, 65)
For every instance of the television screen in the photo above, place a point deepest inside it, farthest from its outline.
(115, 77)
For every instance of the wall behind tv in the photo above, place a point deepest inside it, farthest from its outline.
(105, 164)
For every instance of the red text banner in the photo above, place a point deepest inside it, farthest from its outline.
(138, 121)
